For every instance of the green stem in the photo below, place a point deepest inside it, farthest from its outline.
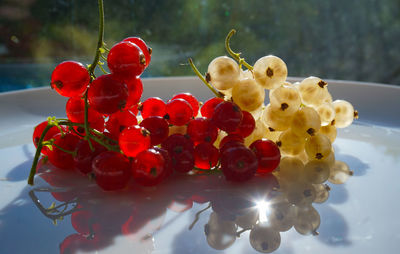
(218, 94)
(236, 56)
(100, 38)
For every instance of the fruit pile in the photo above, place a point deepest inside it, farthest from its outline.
(113, 136)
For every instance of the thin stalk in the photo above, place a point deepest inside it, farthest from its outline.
(236, 56)
(100, 38)
(218, 94)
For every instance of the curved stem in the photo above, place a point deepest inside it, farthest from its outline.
(236, 56)
(100, 38)
(218, 94)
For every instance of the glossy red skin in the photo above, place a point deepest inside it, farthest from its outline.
(153, 106)
(135, 91)
(227, 116)
(84, 155)
(190, 99)
(158, 128)
(181, 152)
(75, 111)
(37, 133)
(148, 167)
(229, 144)
(208, 107)
(107, 95)
(133, 140)
(206, 156)
(268, 155)
(202, 130)
(179, 112)
(143, 46)
(59, 158)
(124, 60)
(231, 137)
(167, 162)
(112, 170)
(238, 164)
(247, 125)
(183, 162)
(120, 120)
(70, 79)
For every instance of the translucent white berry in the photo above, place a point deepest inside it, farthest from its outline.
(223, 72)
(248, 95)
(270, 71)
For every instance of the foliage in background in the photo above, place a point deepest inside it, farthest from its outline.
(351, 40)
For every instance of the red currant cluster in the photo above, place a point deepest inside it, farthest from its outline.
(113, 136)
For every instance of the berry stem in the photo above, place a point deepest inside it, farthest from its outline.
(100, 42)
(204, 80)
(236, 56)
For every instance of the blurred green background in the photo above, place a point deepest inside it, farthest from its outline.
(341, 39)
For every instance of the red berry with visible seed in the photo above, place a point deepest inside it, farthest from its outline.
(227, 116)
(158, 128)
(208, 107)
(133, 140)
(247, 125)
(178, 112)
(202, 130)
(180, 149)
(148, 167)
(119, 121)
(126, 60)
(37, 133)
(268, 155)
(63, 158)
(143, 46)
(70, 79)
(190, 99)
(238, 163)
(112, 170)
(205, 156)
(107, 95)
(153, 106)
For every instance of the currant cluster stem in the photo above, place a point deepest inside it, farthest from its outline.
(204, 80)
(236, 56)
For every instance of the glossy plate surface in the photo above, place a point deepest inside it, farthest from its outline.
(66, 213)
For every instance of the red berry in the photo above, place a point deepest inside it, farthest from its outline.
(133, 140)
(179, 112)
(205, 156)
(231, 137)
(60, 158)
(112, 170)
(37, 133)
(84, 155)
(238, 163)
(148, 167)
(158, 128)
(70, 79)
(247, 125)
(268, 155)
(183, 162)
(153, 106)
(190, 99)
(126, 60)
(135, 91)
(119, 121)
(167, 162)
(208, 107)
(202, 130)
(142, 45)
(227, 116)
(75, 110)
(106, 95)
(180, 149)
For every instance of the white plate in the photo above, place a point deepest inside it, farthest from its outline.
(361, 216)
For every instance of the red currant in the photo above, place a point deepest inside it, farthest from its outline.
(268, 155)
(202, 130)
(112, 170)
(126, 60)
(135, 91)
(205, 156)
(180, 149)
(238, 163)
(119, 121)
(106, 95)
(148, 167)
(191, 100)
(158, 128)
(142, 45)
(247, 125)
(133, 140)
(70, 79)
(231, 137)
(37, 133)
(84, 155)
(227, 116)
(179, 112)
(63, 158)
(208, 107)
(153, 106)
(75, 110)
